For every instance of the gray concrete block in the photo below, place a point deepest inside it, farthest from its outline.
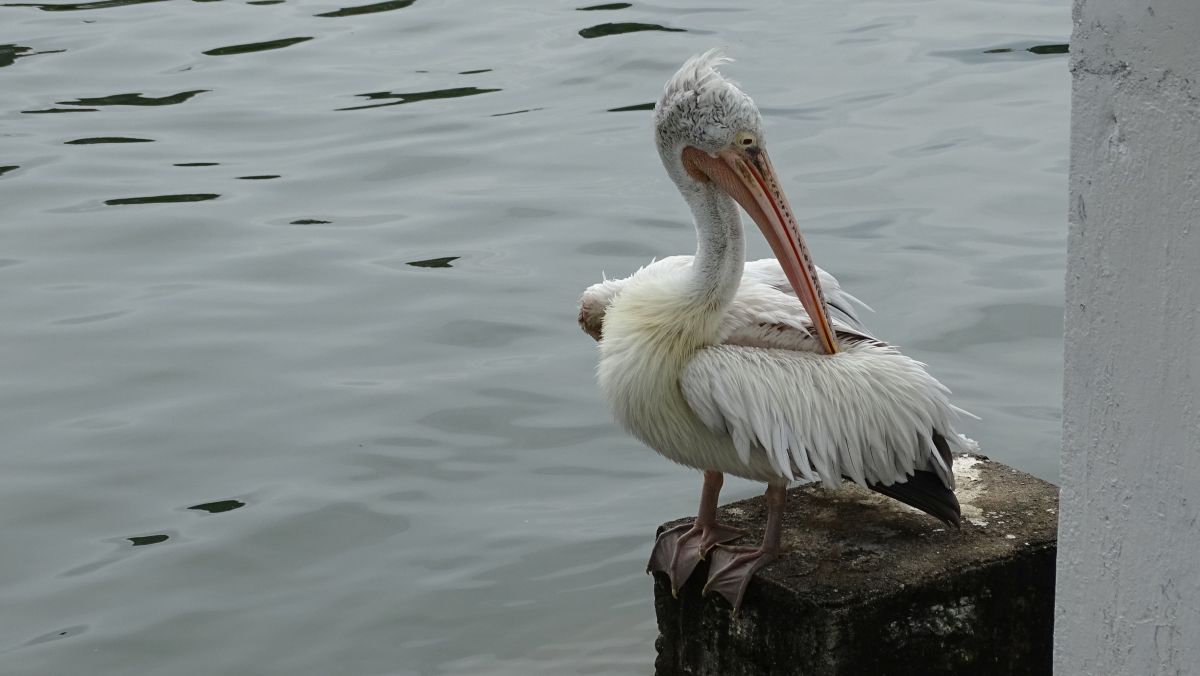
(867, 586)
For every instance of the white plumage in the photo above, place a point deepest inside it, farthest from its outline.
(762, 387)
(761, 370)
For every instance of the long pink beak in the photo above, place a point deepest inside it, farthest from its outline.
(747, 175)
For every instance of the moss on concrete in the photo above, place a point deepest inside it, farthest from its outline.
(868, 586)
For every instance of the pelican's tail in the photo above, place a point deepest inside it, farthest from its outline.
(929, 491)
(925, 491)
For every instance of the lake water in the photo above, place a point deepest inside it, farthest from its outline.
(291, 382)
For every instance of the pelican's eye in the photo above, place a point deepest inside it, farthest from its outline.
(745, 139)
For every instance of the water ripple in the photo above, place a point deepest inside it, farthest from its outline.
(219, 506)
(256, 46)
(606, 29)
(91, 140)
(369, 9)
(135, 99)
(10, 53)
(160, 199)
(443, 262)
(413, 97)
(62, 110)
(74, 6)
(91, 319)
(636, 106)
(1013, 51)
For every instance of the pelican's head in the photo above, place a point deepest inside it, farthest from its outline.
(710, 136)
(701, 109)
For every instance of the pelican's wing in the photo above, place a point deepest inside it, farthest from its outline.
(843, 305)
(868, 414)
(766, 313)
(764, 297)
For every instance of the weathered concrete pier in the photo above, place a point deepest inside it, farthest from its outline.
(868, 586)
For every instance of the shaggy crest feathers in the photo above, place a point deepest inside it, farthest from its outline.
(703, 108)
(698, 74)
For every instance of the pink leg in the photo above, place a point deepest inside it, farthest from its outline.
(678, 550)
(732, 567)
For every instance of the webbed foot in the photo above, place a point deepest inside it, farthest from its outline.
(679, 550)
(731, 568)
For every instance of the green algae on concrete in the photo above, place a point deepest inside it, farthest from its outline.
(868, 586)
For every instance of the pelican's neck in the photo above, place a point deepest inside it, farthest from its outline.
(720, 246)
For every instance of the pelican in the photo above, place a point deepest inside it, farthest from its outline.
(762, 370)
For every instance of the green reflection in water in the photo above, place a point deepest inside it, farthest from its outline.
(605, 29)
(256, 46)
(135, 99)
(611, 5)
(638, 106)
(61, 110)
(10, 53)
(369, 9)
(73, 6)
(435, 262)
(143, 540)
(515, 112)
(107, 139)
(413, 97)
(160, 199)
(219, 506)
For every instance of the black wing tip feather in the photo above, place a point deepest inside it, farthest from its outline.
(926, 492)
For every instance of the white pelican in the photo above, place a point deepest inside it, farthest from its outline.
(744, 369)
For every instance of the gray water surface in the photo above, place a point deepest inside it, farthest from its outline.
(291, 382)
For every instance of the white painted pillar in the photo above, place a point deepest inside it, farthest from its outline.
(1128, 598)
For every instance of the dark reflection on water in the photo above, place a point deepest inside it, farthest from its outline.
(310, 221)
(1036, 49)
(636, 106)
(196, 164)
(443, 262)
(160, 199)
(611, 5)
(143, 540)
(135, 99)
(515, 112)
(7, 168)
(219, 506)
(91, 140)
(369, 9)
(72, 6)
(260, 177)
(1018, 51)
(256, 46)
(10, 53)
(605, 29)
(62, 110)
(413, 97)
(58, 634)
